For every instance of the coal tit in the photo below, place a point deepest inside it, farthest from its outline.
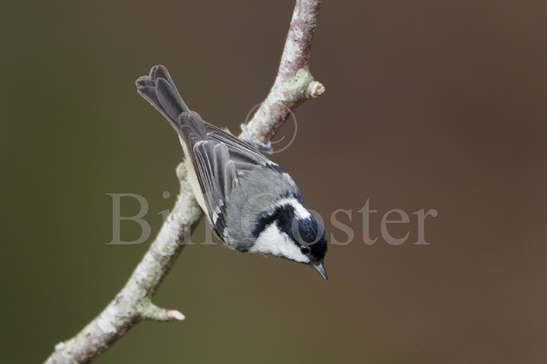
(253, 205)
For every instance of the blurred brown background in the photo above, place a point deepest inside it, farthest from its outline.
(429, 105)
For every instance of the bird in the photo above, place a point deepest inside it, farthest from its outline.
(252, 204)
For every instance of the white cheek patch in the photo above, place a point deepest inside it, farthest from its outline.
(274, 242)
(301, 212)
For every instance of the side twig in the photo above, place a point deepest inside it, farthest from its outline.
(293, 85)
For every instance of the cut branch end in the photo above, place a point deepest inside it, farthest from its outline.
(315, 89)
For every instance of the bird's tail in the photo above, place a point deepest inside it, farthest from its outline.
(159, 90)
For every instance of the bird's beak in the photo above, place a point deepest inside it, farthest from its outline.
(320, 267)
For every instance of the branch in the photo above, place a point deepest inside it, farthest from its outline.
(133, 303)
(293, 85)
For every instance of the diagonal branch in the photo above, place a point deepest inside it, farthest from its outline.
(133, 303)
(293, 85)
(294, 82)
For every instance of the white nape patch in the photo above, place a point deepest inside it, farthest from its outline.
(289, 178)
(301, 212)
(273, 241)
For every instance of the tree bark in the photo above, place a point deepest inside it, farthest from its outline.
(293, 85)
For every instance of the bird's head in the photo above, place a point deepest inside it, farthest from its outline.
(291, 231)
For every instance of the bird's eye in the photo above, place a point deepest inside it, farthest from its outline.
(305, 250)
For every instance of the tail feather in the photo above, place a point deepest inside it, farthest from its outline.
(160, 72)
(169, 100)
(159, 90)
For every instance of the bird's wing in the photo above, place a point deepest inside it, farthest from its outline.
(220, 160)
